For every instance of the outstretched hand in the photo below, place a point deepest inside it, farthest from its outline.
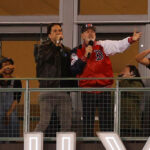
(136, 35)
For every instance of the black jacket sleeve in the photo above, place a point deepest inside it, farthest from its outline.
(77, 64)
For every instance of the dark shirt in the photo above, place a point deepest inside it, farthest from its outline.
(17, 84)
(53, 62)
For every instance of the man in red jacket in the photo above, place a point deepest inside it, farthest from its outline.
(91, 60)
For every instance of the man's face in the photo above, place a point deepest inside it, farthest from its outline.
(8, 69)
(88, 35)
(56, 31)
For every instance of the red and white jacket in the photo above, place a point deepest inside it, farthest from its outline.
(98, 65)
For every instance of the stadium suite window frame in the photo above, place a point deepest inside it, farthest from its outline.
(71, 23)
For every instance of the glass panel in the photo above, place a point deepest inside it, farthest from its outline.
(113, 7)
(29, 7)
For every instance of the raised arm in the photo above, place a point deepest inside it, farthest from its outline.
(141, 57)
(136, 36)
(112, 47)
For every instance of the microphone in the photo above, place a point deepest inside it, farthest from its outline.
(91, 43)
(59, 41)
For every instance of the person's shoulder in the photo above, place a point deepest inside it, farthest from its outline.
(66, 48)
(137, 83)
(18, 82)
(44, 44)
(75, 49)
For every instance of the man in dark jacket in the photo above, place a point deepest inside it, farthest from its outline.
(53, 61)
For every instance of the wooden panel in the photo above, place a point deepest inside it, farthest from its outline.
(113, 7)
(119, 61)
(29, 7)
(22, 54)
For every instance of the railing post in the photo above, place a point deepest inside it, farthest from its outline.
(117, 108)
(27, 108)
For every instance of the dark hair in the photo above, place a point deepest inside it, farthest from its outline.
(135, 72)
(87, 26)
(49, 27)
(5, 59)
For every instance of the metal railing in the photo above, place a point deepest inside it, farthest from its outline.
(117, 97)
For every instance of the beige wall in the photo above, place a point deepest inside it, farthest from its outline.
(113, 7)
(22, 53)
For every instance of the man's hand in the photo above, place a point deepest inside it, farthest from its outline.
(58, 40)
(88, 50)
(136, 36)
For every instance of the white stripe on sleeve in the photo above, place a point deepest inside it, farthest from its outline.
(112, 47)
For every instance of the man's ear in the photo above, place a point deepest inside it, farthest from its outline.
(82, 36)
(49, 36)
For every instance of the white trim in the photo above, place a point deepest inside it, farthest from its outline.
(108, 139)
(28, 19)
(21, 29)
(75, 10)
(68, 15)
(30, 143)
(63, 142)
(148, 9)
(112, 19)
(61, 6)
